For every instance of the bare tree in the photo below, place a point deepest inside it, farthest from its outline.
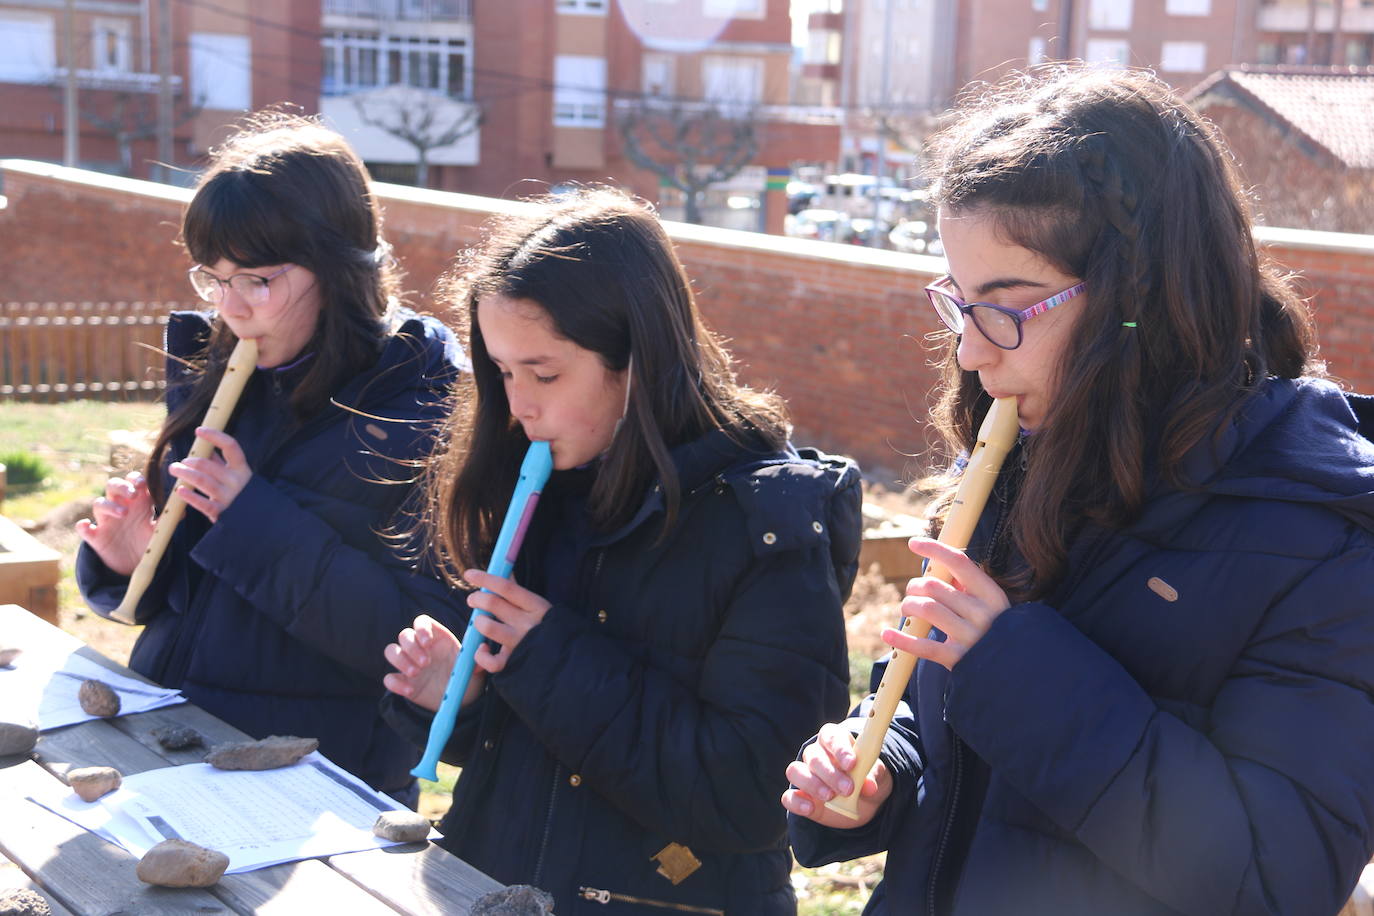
(689, 147)
(129, 117)
(424, 119)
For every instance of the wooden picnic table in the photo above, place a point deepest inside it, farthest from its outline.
(81, 874)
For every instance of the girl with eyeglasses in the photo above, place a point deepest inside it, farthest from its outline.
(673, 628)
(276, 596)
(1150, 688)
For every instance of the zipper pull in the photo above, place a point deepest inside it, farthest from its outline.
(591, 893)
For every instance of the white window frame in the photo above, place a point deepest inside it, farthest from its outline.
(1188, 7)
(221, 70)
(35, 58)
(734, 9)
(1108, 52)
(582, 7)
(1183, 56)
(346, 52)
(735, 64)
(667, 64)
(122, 32)
(579, 91)
(1109, 15)
(1036, 51)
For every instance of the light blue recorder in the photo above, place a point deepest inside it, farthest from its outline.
(534, 473)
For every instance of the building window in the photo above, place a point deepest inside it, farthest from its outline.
(221, 71)
(1108, 52)
(27, 48)
(733, 9)
(658, 75)
(1183, 56)
(358, 61)
(1035, 54)
(1356, 52)
(579, 92)
(1188, 7)
(732, 81)
(1040, 6)
(1268, 52)
(111, 45)
(582, 7)
(1110, 15)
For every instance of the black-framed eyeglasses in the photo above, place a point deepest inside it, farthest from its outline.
(253, 289)
(999, 324)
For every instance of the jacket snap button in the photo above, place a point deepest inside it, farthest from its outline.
(574, 780)
(601, 616)
(770, 538)
(817, 527)
(488, 744)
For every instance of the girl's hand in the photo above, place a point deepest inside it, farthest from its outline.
(963, 611)
(824, 773)
(209, 485)
(122, 525)
(423, 656)
(514, 612)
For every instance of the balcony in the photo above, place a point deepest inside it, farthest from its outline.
(401, 10)
(1287, 17)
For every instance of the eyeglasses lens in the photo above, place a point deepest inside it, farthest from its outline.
(251, 289)
(948, 311)
(998, 327)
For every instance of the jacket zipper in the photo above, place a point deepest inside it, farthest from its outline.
(948, 826)
(548, 824)
(558, 767)
(599, 896)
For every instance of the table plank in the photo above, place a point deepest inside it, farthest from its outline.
(12, 878)
(297, 887)
(77, 868)
(417, 880)
(93, 744)
(139, 727)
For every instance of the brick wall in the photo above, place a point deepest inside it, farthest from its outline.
(836, 330)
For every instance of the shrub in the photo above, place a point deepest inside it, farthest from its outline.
(23, 469)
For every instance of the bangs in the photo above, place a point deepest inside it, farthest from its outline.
(232, 217)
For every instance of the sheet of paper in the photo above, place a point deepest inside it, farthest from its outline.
(42, 687)
(256, 818)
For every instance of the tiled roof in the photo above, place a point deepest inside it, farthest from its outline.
(1333, 107)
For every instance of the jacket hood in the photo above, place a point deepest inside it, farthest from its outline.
(1297, 440)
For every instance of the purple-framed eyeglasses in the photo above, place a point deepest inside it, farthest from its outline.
(251, 288)
(999, 324)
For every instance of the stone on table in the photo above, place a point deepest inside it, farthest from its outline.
(98, 699)
(92, 782)
(178, 863)
(268, 754)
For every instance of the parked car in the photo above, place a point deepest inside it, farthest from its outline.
(912, 236)
(816, 223)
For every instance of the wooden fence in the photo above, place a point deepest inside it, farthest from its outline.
(61, 351)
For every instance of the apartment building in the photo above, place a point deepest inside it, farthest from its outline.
(223, 57)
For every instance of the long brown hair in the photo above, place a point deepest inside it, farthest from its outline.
(1110, 178)
(286, 189)
(601, 267)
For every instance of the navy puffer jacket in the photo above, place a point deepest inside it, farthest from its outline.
(663, 694)
(274, 618)
(1185, 726)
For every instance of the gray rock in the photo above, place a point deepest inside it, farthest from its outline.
(9, 654)
(516, 900)
(178, 737)
(401, 826)
(92, 782)
(23, 903)
(177, 863)
(98, 699)
(268, 754)
(17, 737)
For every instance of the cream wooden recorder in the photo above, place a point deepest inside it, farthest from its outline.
(995, 438)
(242, 361)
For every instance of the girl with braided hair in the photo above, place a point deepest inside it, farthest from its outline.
(1150, 688)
